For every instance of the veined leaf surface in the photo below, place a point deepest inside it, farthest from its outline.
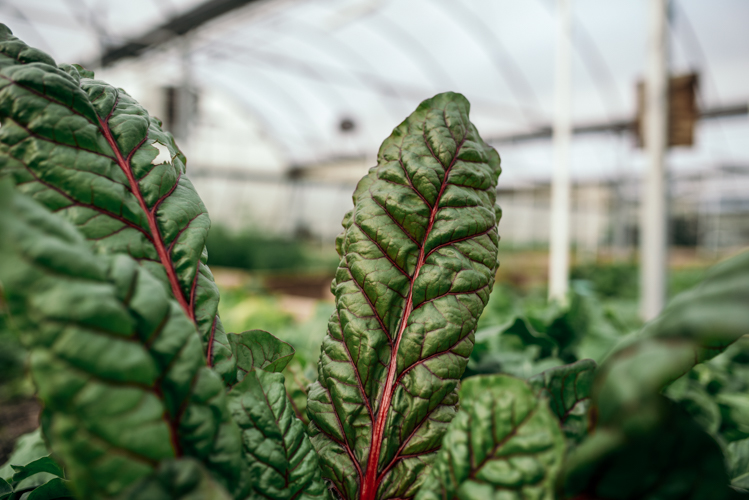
(568, 389)
(418, 259)
(278, 453)
(91, 153)
(117, 363)
(504, 443)
(259, 349)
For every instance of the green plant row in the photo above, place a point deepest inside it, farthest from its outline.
(104, 275)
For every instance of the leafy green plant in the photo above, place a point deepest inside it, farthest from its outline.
(104, 275)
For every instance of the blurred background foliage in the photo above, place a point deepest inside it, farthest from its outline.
(252, 250)
(282, 286)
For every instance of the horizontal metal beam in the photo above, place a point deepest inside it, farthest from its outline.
(289, 178)
(616, 126)
(185, 22)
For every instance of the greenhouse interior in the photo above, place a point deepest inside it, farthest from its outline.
(586, 309)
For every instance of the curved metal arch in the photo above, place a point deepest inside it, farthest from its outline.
(347, 54)
(593, 60)
(31, 24)
(311, 71)
(289, 100)
(505, 64)
(430, 67)
(260, 116)
(88, 17)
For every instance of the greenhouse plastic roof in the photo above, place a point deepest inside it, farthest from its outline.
(303, 66)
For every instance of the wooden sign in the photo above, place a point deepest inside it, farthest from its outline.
(682, 110)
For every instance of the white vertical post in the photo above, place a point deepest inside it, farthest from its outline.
(559, 248)
(653, 217)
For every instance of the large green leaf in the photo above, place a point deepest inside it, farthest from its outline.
(638, 426)
(5, 489)
(91, 153)
(43, 464)
(672, 461)
(568, 389)
(504, 443)
(281, 460)
(418, 258)
(117, 363)
(181, 479)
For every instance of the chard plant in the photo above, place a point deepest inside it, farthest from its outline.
(145, 396)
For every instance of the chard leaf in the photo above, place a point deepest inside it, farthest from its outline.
(418, 259)
(117, 363)
(297, 384)
(51, 490)
(44, 464)
(281, 460)
(700, 404)
(89, 152)
(504, 443)
(261, 350)
(672, 461)
(27, 449)
(183, 479)
(5, 489)
(638, 431)
(568, 390)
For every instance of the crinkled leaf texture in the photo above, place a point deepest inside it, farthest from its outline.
(504, 443)
(278, 453)
(643, 446)
(117, 363)
(418, 259)
(91, 153)
(259, 349)
(568, 389)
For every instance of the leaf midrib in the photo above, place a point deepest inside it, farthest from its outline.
(158, 240)
(372, 479)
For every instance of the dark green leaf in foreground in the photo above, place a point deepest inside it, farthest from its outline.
(297, 384)
(700, 405)
(568, 389)
(504, 443)
(737, 455)
(278, 453)
(639, 427)
(261, 350)
(183, 479)
(677, 460)
(418, 258)
(43, 464)
(28, 448)
(5, 489)
(117, 363)
(91, 153)
(56, 488)
(32, 472)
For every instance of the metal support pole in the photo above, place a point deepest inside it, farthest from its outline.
(653, 217)
(559, 251)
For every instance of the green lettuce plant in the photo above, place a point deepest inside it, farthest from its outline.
(104, 273)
